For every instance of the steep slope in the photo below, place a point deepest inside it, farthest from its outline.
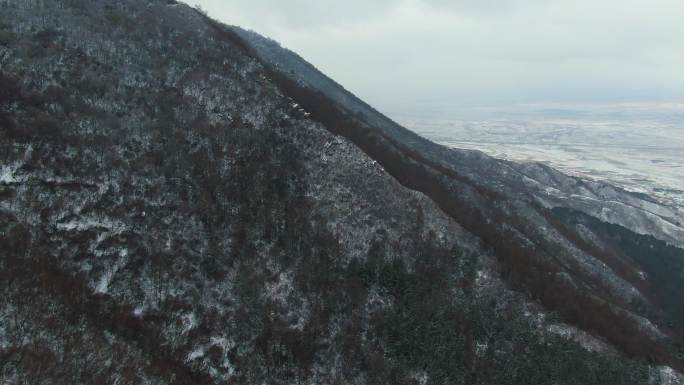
(514, 202)
(637, 212)
(171, 215)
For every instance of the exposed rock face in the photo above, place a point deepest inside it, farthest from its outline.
(184, 202)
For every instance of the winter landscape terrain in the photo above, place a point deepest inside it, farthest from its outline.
(637, 146)
(187, 202)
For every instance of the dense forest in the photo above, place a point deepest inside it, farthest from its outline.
(176, 210)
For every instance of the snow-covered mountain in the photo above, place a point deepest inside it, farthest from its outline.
(185, 202)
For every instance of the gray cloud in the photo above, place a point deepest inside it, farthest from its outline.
(395, 52)
(298, 14)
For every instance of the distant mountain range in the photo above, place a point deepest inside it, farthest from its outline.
(185, 202)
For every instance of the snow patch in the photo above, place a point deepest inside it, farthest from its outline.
(103, 284)
(195, 354)
(279, 290)
(224, 343)
(91, 223)
(189, 322)
(7, 172)
(7, 175)
(669, 376)
(586, 340)
(421, 377)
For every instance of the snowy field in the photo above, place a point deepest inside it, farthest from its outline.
(638, 146)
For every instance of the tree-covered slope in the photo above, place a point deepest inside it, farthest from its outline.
(171, 215)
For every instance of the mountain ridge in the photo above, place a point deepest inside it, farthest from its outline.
(285, 70)
(276, 56)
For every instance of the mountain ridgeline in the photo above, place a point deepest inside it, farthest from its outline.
(186, 202)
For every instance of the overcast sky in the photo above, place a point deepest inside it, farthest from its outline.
(395, 53)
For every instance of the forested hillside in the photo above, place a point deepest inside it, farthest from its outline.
(176, 210)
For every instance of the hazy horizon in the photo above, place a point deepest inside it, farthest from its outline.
(397, 53)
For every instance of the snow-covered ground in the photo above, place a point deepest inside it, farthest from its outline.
(638, 146)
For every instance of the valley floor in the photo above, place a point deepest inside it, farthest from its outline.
(639, 147)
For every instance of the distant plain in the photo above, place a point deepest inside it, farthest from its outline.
(637, 146)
